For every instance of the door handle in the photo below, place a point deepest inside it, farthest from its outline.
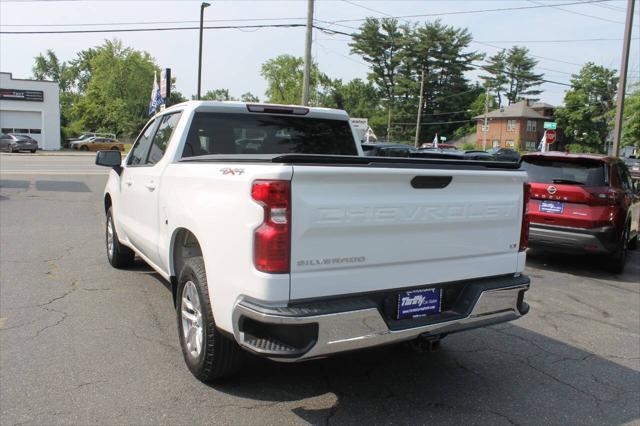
(129, 182)
(151, 186)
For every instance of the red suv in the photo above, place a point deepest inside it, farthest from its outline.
(583, 203)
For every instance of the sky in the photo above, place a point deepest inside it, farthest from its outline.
(232, 57)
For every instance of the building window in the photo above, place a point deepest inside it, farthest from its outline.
(511, 125)
(23, 131)
(496, 143)
(7, 130)
(35, 131)
(510, 144)
(530, 145)
(531, 125)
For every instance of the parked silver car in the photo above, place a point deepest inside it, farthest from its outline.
(15, 143)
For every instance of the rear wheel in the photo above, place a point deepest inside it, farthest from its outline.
(115, 148)
(84, 148)
(207, 352)
(119, 255)
(33, 151)
(618, 259)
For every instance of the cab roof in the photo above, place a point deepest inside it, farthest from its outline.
(255, 107)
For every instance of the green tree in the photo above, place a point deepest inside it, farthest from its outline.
(512, 73)
(217, 95)
(441, 52)
(284, 81)
(117, 82)
(497, 80)
(49, 67)
(249, 97)
(380, 43)
(631, 122)
(357, 97)
(475, 109)
(586, 116)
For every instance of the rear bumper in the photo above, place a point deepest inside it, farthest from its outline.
(329, 326)
(594, 240)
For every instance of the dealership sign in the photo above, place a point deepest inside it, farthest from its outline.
(21, 95)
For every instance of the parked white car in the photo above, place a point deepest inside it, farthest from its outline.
(281, 239)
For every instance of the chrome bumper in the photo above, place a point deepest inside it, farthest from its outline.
(362, 328)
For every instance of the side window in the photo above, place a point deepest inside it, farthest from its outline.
(163, 136)
(141, 147)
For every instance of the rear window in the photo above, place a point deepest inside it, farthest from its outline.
(224, 133)
(587, 173)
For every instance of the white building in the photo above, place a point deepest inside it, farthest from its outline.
(31, 107)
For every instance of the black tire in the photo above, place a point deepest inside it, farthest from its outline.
(84, 148)
(33, 151)
(618, 259)
(115, 148)
(219, 355)
(633, 244)
(119, 256)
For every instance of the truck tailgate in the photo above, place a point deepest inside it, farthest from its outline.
(362, 229)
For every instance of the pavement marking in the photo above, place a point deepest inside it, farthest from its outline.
(2, 321)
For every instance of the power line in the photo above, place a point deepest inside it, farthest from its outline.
(129, 30)
(104, 24)
(578, 13)
(367, 8)
(535, 56)
(466, 12)
(575, 40)
(610, 7)
(488, 69)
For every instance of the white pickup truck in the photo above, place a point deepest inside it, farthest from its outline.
(281, 239)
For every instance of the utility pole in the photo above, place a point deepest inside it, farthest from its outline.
(622, 85)
(202, 7)
(307, 54)
(485, 128)
(419, 110)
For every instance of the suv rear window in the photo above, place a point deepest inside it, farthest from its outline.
(229, 133)
(582, 172)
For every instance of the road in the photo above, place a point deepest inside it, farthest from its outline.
(83, 343)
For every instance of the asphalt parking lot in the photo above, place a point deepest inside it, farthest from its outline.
(83, 343)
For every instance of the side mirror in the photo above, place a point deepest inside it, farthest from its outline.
(111, 159)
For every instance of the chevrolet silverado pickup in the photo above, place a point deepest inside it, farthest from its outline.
(279, 237)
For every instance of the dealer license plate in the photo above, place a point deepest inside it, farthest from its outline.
(419, 303)
(551, 207)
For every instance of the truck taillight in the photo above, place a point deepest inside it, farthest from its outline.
(524, 231)
(272, 239)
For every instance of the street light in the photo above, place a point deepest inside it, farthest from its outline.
(202, 7)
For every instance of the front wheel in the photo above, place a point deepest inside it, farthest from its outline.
(208, 353)
(84, 148)
(119, 255)
(33, 151)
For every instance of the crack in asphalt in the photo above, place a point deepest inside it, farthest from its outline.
(604, 313)
(599, 321)
(148, 339)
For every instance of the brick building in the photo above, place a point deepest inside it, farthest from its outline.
(518, 126)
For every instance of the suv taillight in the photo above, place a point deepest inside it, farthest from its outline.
(524, 230)
(272, 239)
(603, 196)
